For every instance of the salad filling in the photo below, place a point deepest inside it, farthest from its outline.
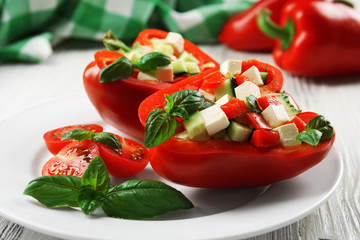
(162, 60)
(230, 105)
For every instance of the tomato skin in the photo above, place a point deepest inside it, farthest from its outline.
(73, 159)
(129, 161)
(258, 121)
(264, 138)
(53, 141)
(117, 102)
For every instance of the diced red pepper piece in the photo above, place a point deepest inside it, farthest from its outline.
(106, 57)
(258, 121)
(213, 80)
(266, 101)
(234, 107)
(263, 138)
(300, 124)
(240, 79)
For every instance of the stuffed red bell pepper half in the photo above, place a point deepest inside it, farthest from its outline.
(121, 77)
(232, 127)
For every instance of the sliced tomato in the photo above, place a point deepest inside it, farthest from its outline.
(258, 121)
(234, 108)
(130, 160)
(53, 141)
(213, 80)
(267, 100)
(106, 57)
(73, 159)
(300, 124)
(240, 79)
(264, 138)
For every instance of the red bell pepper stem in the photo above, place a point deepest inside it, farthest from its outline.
(273, 30)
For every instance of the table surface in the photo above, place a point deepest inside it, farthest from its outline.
(25, 85)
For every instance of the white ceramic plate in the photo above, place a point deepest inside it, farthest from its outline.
(218, 214)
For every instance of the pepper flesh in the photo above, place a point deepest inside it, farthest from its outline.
(326, 40)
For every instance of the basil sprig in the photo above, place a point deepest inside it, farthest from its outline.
(152, 61)
(101, 137)
(317, 130)
(123, 68)
(113, 44)
(161, 124)
(133, 199)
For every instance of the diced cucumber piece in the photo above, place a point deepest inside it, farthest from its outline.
(284, 99)
(164, 48)
(188, 57)
(264, 76)
(192, 68)
(251, 102)
(195, 127)
(238, 132)
(179, 67)
(225, 88)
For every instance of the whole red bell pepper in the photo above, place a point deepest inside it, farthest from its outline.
(242, 33)
(315, 38)
(227, 164)
(117, 102)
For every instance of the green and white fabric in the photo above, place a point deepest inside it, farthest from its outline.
(29, 28)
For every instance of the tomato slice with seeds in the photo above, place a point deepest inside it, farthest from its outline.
(53, 141)
(73, 159)
(130, 160)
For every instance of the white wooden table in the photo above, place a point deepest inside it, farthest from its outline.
(24, 85)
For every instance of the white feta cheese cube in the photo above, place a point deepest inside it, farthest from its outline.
(288, 134)
(165, 74)
(176, 41)
(275, 115)
(208, 96)
(230, 68)
(224, 99)
(146, 76)
(215, 119)
(254, 76)
(246, 89)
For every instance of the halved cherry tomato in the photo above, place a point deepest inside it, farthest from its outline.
(130, 160)
(73, 159)
(106, 57)
(53, 141)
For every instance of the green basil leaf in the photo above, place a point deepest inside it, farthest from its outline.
(180, 112)
(169, 104)
(159, 128)
(78, 134)
(311, 137)
(121, 68)
(56, 190)
(137, 199)
(188, 99)
(320, 123)
(96, 176)
(206, 104)
(89, 200)
(152, 61)
(113, 44)
(253, 104)
(107, 139)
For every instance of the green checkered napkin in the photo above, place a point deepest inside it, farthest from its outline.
(29, 28)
